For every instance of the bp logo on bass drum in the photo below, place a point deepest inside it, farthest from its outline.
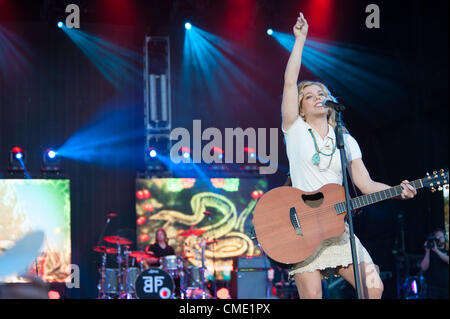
(154, 283)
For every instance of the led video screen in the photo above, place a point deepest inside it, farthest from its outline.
(205, 220)
(28, 205)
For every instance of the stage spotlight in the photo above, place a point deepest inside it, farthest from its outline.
(269, 31)
(50, 161)
(185, 152)
(186, 155)
(51, 154)
(152, 152)
(17, 160)
(188, 26)
(60, 24)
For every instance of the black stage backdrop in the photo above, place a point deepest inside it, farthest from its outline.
(58, 91)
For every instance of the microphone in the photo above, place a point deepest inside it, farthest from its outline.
(333, 104)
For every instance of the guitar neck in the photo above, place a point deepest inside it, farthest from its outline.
(373, 198)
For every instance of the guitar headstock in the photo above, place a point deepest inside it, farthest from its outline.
(437, 180)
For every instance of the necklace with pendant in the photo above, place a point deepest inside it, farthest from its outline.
(316, 156)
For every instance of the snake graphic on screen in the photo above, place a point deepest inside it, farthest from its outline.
(224, 231)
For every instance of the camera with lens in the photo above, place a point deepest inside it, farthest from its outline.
(431, 240)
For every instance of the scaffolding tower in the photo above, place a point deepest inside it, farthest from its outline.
(157, 100)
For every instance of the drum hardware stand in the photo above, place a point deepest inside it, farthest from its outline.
(101, 292)
(213, 258)
(119, 268)
(125, 283)
(182, 285)
(202, 272)
(100, 287)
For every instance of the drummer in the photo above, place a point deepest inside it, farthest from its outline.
(159, 249)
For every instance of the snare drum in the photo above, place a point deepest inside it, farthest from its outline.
(171, 262)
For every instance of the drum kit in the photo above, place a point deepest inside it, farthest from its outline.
(132, 278)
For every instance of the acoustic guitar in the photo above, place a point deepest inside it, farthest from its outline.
(291, 224)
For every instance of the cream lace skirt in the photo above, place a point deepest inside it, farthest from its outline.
(332, 253)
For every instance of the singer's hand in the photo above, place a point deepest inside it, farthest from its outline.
(301, 27)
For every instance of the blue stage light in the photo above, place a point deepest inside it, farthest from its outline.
(188, 26)
(51, 162)
(60, 24)
(153, 153)
(51, 154)
(269, 31)
(186, 155)
(19, 156)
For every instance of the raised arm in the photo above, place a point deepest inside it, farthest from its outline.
(289, 105)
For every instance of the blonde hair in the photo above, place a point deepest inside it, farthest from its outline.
(331, 116)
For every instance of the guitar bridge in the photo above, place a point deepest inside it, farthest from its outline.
(295, 222)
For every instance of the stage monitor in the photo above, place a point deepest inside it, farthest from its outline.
(28, 205)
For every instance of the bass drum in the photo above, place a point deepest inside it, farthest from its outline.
(154, 283)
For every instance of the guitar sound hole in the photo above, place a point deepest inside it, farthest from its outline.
(314, 200)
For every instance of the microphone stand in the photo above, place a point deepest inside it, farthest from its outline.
(340, 129)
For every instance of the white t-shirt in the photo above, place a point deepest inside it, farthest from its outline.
(300, 150)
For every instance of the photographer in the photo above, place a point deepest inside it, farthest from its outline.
(435, 265)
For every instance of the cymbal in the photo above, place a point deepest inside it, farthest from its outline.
(138, 254)
(110, 250)
(99, 249)
(117, 240)
(192, 232)
(104, 249)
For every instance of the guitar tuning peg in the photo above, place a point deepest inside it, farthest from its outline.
(439, 188)
(441, 170)
(433, 189)
(434, 172)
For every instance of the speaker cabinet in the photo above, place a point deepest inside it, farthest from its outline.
(251, 284)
